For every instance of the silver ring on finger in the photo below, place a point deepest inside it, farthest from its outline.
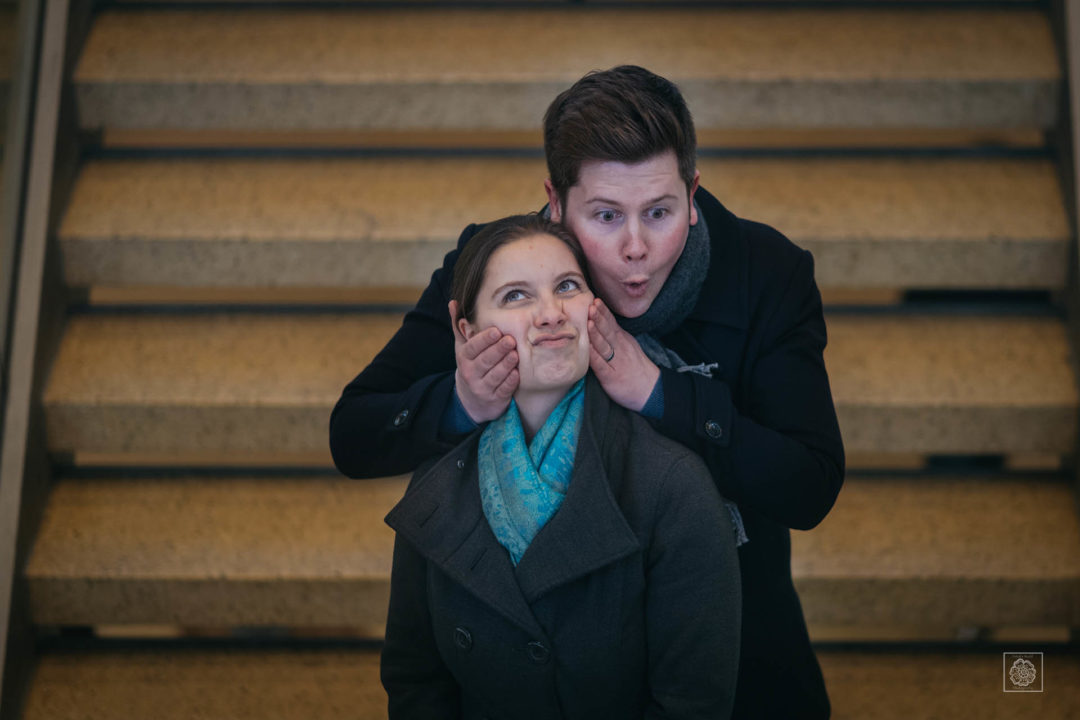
(610, 357)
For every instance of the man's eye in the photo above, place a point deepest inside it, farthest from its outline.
(606, 216)
(657, 213)
(567, 286)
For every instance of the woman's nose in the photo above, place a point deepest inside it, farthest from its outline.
(550, 311)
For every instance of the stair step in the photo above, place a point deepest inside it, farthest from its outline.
(255, 383)
(303, 551)
(315, 684)
(186, 684)
(356, 223)
(946, 551)
(197, 551)
(347, 69)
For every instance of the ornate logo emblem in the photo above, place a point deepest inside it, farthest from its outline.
(1022, 671)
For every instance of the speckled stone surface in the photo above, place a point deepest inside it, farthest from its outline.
(320, 684)
(215, 551)
(208, 685)
(944, 686)
(313, 551)
(248, 383)
(316, 685)
(278, 69)
(943, 551)
(251, 383)
(870, 223)
(940, 383)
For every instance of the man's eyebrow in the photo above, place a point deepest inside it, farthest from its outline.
(606, 201)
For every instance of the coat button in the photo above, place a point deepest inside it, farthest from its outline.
(401, 418)
(713, 430)
(463, 639)
(460, 464)
(538, 652)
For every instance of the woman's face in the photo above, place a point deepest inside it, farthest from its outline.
(534, 290)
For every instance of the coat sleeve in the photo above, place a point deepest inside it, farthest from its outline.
(418, 683)
(693, 600)
(387, 420)
(781, 453)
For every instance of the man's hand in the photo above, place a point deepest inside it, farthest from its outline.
(487, 373)
(629, 376)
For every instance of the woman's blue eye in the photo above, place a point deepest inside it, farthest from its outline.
(513, 295)
(567, 286)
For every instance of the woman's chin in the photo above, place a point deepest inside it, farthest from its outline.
(553, 379)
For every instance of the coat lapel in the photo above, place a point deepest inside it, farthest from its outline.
(441, 517)
(588, 531)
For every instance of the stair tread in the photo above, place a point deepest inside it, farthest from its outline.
(266, 382)
(320, 683)
(114, 551)
(349, 68)
(352, 222)
(529, 45)
(207, 684)
(332, 528)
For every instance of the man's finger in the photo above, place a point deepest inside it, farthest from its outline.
(599, 365)
(605, 321)
(497, 374)
(480, 343)
(597, 340)
(508, 386)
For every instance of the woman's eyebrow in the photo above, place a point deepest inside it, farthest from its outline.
(570, 274)
(507, 285)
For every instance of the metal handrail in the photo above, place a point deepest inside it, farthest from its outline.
(35, 113)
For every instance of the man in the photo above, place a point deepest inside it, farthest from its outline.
(708, 324)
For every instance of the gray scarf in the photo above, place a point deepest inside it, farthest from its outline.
(671, 306)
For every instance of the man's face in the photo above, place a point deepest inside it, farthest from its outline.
(632, 221)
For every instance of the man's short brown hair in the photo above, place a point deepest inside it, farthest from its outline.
(626, 114)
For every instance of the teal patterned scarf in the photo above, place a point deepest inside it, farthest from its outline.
(522, 485)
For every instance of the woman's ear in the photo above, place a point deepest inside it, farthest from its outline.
(553, 201)
(466, 330)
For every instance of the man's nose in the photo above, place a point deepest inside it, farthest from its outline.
(634, 246)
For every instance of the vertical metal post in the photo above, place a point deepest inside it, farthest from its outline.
(22, 379)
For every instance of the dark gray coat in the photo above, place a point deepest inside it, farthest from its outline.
(626, 605)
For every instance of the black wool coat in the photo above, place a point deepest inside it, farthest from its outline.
(625, 605)
(764, 424)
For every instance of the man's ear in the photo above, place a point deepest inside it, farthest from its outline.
(693, 189)
(553, 201)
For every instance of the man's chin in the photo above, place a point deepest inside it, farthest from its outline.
(631, 307)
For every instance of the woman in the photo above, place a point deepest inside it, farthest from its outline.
(566, 561)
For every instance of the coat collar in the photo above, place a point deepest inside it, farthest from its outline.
(725, 295)
(442, 518)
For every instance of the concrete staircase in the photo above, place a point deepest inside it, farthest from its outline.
(268, 188)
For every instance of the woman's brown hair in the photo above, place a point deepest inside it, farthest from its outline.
(473, 260)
